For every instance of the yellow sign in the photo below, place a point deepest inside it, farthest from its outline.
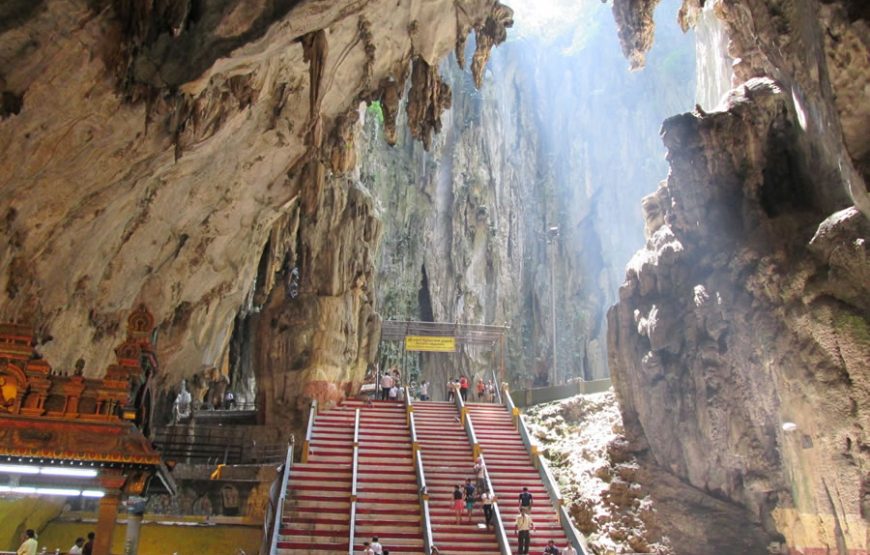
(430, 344)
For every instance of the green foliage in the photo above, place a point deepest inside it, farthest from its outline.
(376, 111)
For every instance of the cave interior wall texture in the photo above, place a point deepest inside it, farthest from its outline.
(192, 156)
(739, 348)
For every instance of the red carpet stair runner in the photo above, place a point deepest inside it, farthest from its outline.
(316, 517)
(447, 461)
(510, 469)
(388, 503)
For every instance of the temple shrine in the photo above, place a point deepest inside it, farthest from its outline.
(62, 433)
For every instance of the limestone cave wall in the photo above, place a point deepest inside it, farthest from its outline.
(153, 151)
(465, 224)
(739, 347)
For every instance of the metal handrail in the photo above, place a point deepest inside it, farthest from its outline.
(428, 540)
(352, 531)
(413, 425)
(353, 487)
(497, 387)
(356, 429)
(309, 431)
(500, 532)
(279, 513)
(574, 536)
(549, 481)
(571, 532)
(472, 436)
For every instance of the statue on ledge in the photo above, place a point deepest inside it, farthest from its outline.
(182, 406)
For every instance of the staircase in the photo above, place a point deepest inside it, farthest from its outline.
(316, 519)
(447, 461)
(510, 469)
(388, 502)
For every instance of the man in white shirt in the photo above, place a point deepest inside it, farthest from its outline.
(569, 550)
(424, 391)
(377, 547)
(76, 549)
(525, 526)
(29, 545)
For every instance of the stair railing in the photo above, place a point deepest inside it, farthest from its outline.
(509, 403)
(460, 405)
(574, 536)
(422, 487)
(409, 405)
(309, 431)
(415, 442)
(353, 487)
(497, 387)
(472, 437)
(279, 506)
(500, 532)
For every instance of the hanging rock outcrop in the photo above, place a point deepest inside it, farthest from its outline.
(148, 151)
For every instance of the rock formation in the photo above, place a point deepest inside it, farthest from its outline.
(465, 224)
(741, 342)
(150, 150)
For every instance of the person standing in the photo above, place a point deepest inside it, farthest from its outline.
(526, 499)
(424, 391)
(469, 499)
(551, 549)
(29, 545)
(76, 549)
(376, 546)
(480, 389)
(487, 499)
(457, 502)
(463, 388)
(386, 385)
(525, 526)
(490, 392)
(88, 549)
(569, 550)
(480, 473)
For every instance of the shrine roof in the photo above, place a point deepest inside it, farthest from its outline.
(98, 443)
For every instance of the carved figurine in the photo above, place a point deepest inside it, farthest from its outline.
(182, 405)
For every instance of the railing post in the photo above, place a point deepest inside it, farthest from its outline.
(306, 445)
(415, 442)
(500, 533)
(424, 503)
(353, 487)
(279, 507)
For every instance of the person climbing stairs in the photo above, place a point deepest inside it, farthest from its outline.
(510, 470)
(448, 461)
(388, 503)
(316, 519)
